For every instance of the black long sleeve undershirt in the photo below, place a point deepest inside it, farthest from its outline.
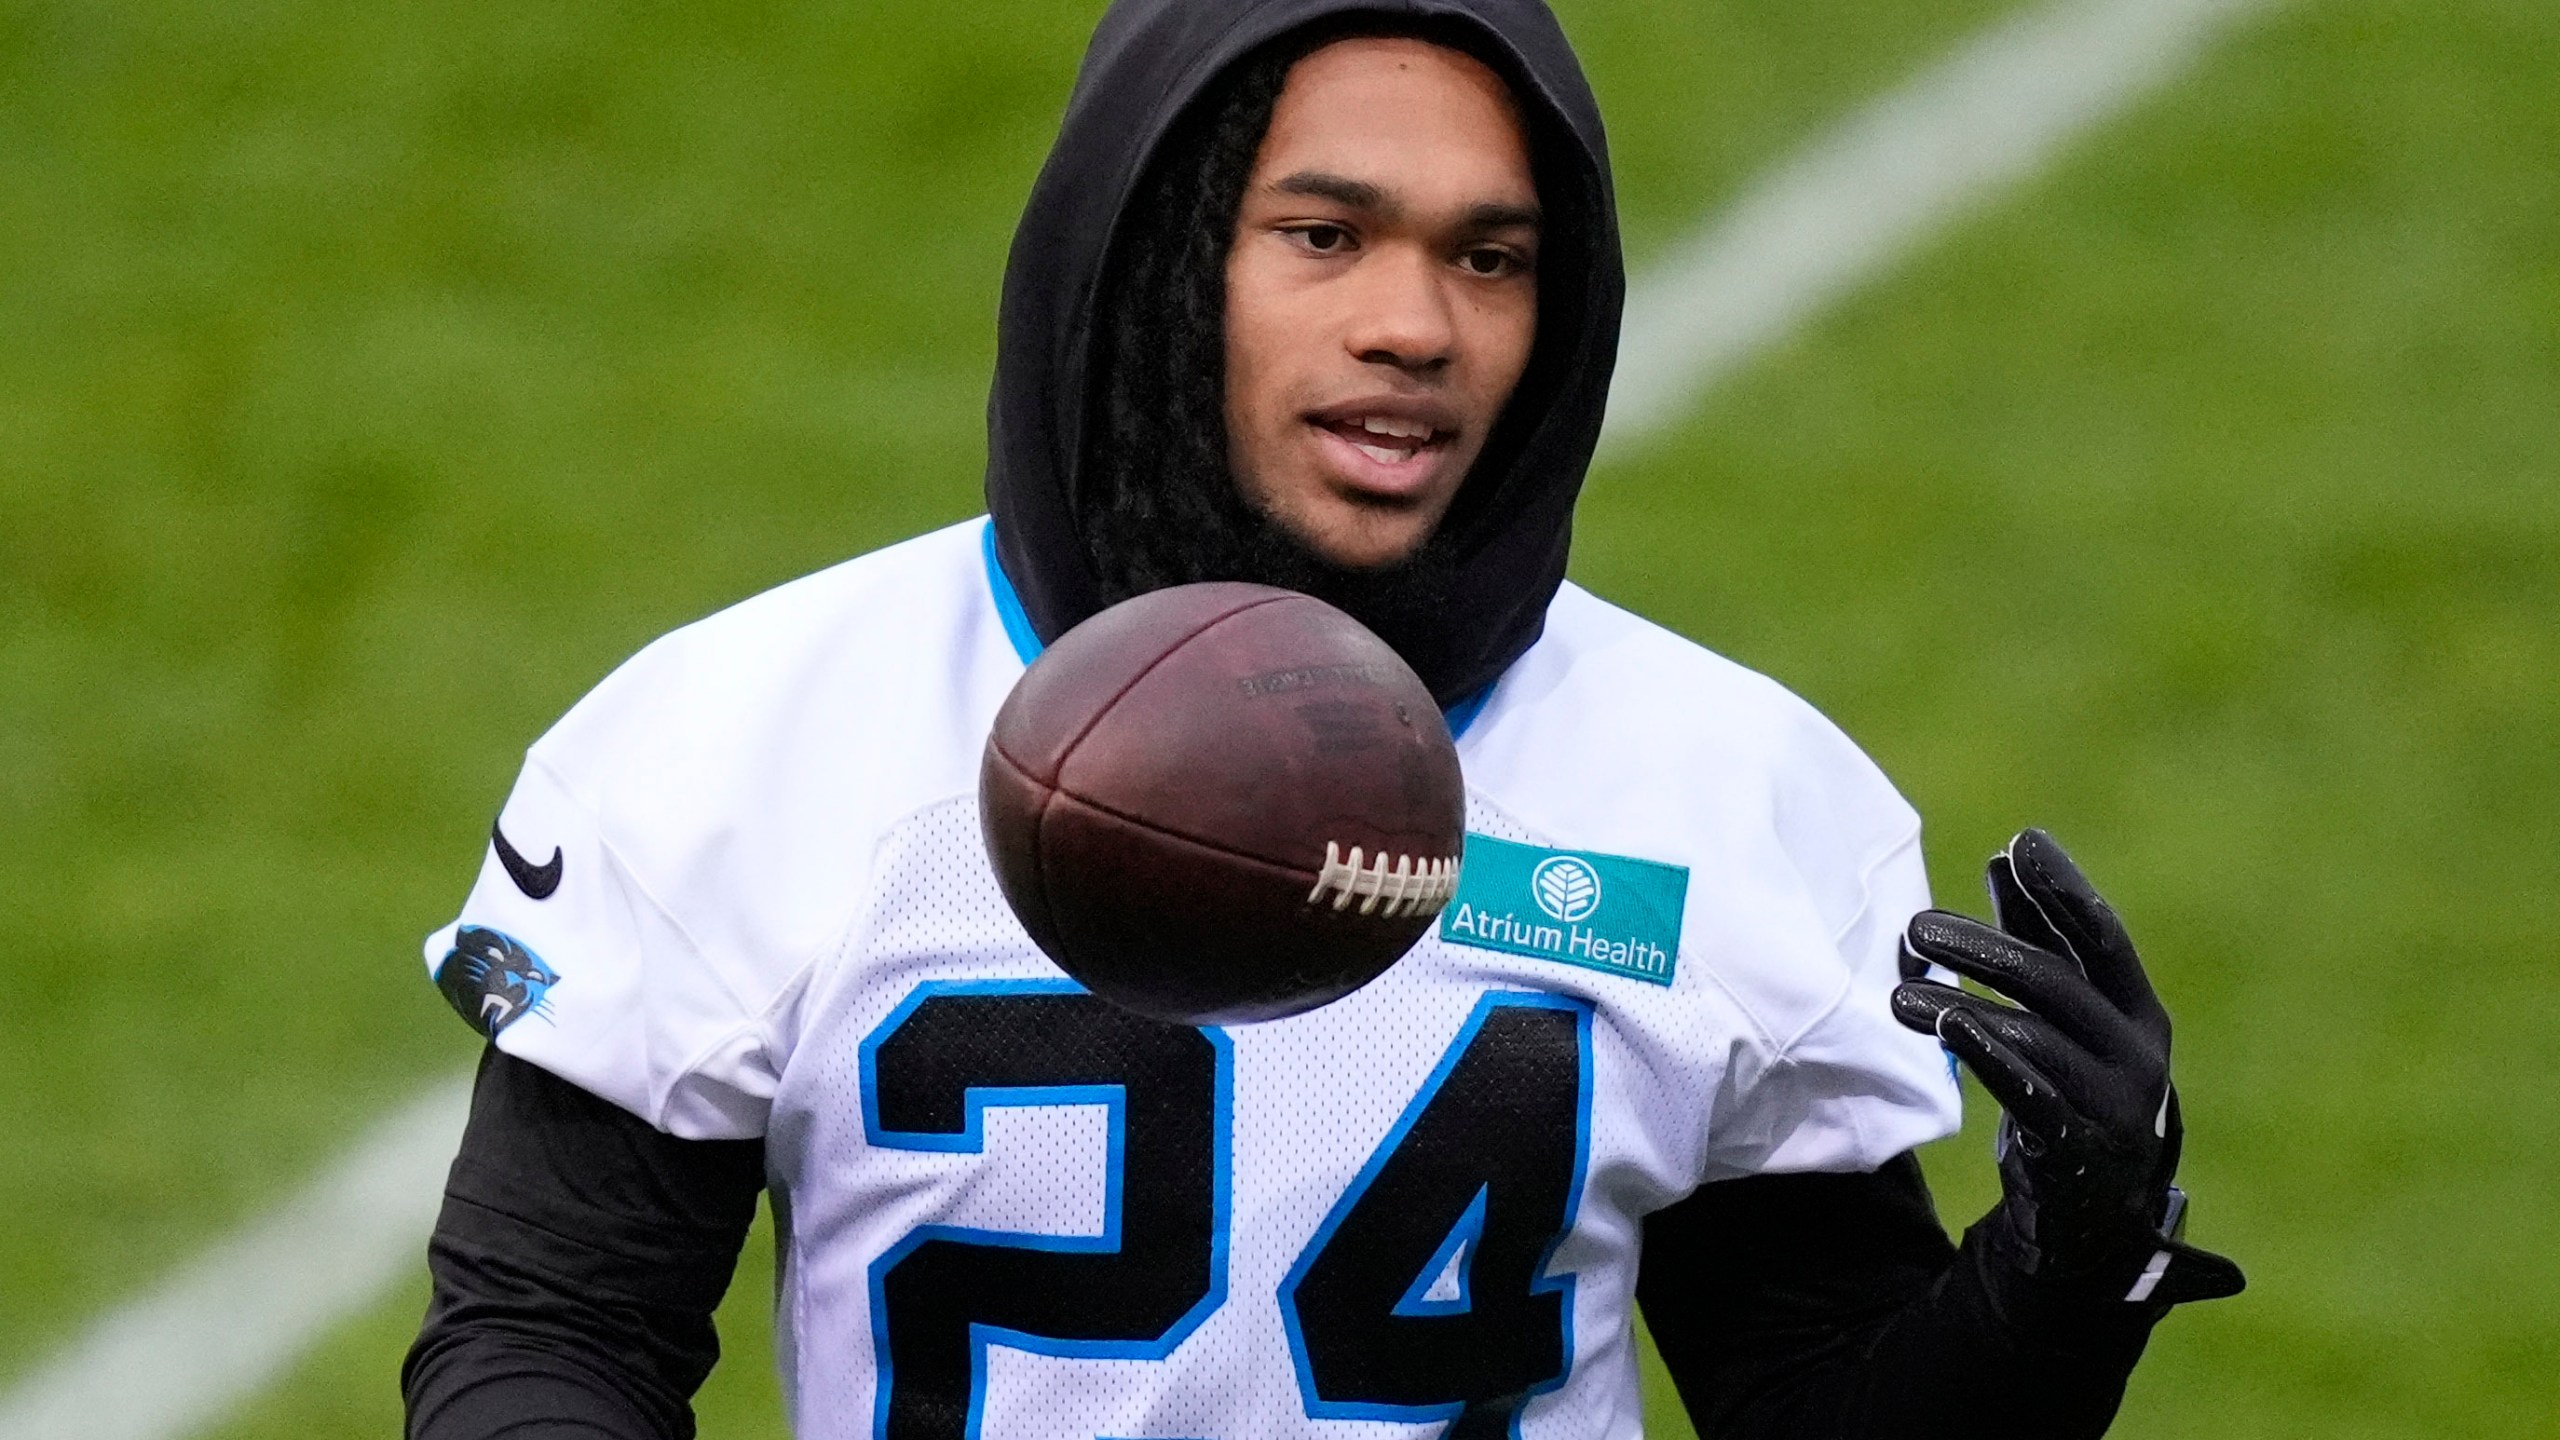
(581, 1253)
(577, 1263)
(1833, 1306)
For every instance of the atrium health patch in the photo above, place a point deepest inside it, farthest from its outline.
(1614, 913)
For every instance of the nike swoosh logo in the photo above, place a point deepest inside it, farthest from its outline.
(536, 881)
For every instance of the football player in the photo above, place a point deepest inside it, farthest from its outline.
(1318, 293)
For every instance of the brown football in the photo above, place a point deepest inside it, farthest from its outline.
(1222, 803)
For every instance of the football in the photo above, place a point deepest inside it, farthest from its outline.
(1222, 803)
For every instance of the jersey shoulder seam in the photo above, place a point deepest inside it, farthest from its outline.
(838, 941)
(840, 937)
(1849, 978)
(693, 1063)
(1903, 839)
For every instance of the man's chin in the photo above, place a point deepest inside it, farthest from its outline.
(1358, 544)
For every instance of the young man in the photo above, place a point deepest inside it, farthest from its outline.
(1321, 294)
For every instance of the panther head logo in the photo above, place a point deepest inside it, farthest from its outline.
(492, 980)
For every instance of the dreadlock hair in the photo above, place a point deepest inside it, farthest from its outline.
(1155, 497)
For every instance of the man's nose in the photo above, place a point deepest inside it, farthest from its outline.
(1402, 315)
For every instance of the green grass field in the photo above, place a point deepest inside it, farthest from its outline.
(374, 377)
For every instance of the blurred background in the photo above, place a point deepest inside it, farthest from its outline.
(374, 377)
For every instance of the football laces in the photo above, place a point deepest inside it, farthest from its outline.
(1387, 886)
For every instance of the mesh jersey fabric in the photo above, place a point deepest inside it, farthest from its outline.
(773, 889)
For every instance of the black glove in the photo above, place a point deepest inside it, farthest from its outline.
(2090, 1134)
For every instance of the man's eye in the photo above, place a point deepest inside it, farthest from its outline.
(1325, 239)
(1490, 262)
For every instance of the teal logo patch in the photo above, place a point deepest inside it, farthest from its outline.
(1602, 912)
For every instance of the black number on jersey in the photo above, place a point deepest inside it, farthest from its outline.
(1133, 1292)
(1425, 1293)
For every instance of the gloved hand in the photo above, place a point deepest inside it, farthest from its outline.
(2090, 1132)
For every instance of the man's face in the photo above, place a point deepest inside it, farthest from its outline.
(1381, 294)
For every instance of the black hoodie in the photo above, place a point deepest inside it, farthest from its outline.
(1502, 551)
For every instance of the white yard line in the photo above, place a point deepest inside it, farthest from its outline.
(1856, 202)
(179, 1358)
(234, 1320)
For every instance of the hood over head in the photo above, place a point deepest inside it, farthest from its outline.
(1476, 596)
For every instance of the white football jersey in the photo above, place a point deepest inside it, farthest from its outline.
(741, 892)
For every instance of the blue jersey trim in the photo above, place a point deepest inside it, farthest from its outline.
(1464, 713)
(1017, 624)
(1026, 641)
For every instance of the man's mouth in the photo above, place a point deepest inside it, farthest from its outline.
(1387, 439)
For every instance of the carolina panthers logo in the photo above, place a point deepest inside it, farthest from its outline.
(492, 980)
